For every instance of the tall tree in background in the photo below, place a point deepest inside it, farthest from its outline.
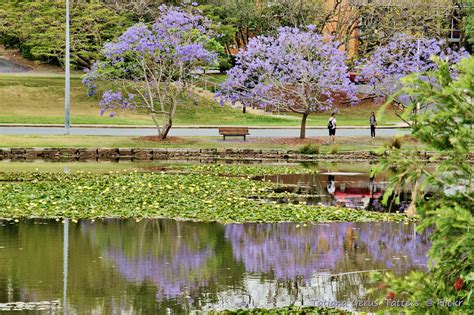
(293, 13)
(340, 19)
(400, 57)
(37, 29)
(382, 20)
(295, 70)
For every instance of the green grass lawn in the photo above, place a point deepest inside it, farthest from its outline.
(34, 98)
(61, 141)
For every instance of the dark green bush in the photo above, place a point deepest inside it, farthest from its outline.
(309, 149)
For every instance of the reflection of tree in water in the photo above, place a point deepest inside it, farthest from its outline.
(290, 253)
(172, 275)
(179, 260)
(285, 250)
(158, 264)
(30, 257)
(398, 247)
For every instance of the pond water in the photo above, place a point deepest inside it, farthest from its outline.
(341, 187)
(171, 267)
(7, 66)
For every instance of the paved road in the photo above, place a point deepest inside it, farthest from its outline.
(10, 67)
(185, 132)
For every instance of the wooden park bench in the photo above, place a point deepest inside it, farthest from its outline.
(234, 131)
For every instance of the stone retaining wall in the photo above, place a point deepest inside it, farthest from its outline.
(107, 154)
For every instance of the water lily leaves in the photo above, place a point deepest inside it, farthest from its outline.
(201, 197)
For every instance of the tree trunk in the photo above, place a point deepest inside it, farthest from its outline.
(165, 130)
(237, 39)
(303, 126)
(242, 36)
(227, 49)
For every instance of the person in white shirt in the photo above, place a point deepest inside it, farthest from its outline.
(332, 127)
(331, 185)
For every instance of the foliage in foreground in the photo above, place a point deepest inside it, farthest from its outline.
(469, 21)
(156, 195)
(442, 193)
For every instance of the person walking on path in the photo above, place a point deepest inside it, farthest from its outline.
(332, 127)
(373, 123)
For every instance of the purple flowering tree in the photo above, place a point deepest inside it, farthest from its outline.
(402, 56)
(296, 70)
(150, 68)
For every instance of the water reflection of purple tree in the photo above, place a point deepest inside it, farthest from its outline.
(273, 251)
(172, 275)
(398, 247)
(150, 253)
(291, 252)
(286, 250)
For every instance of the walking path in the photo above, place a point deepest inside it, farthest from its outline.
(193, 131)
(7, 66)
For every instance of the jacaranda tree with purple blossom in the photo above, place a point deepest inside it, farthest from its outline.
(402, 56)
(150, 68)
(296, 70)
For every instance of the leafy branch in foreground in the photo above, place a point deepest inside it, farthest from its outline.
(442, 194)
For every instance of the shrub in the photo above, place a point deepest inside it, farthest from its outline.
(226, 63)
(310, 149)
(334, 149)
(395, 143)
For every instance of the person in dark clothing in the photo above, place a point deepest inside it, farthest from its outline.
(332, 127)
(373, 123)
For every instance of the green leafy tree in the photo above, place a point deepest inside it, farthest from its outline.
(442, 193)
(243, 15)
(293, 13)
(38, 30)
(225, 26)
(469, 21)
(380, 22)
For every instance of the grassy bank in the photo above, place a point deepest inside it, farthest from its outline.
(102, 167)
(61, 141)
(35, 98)
(197, 196)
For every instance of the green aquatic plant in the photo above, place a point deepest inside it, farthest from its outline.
(247, 170)
(198, 197)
